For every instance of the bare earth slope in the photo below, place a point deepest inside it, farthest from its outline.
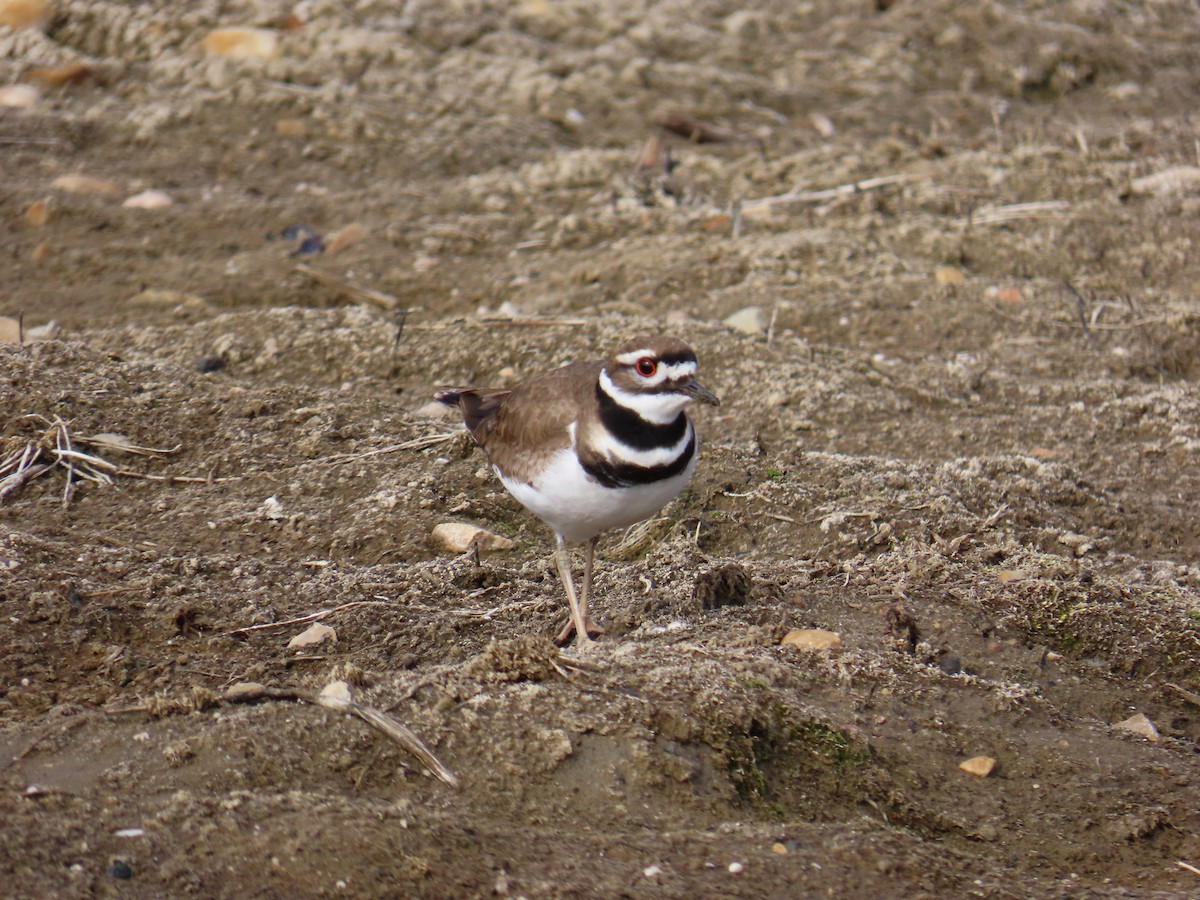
(962, 433)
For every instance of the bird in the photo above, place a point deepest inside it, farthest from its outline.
(591, 447)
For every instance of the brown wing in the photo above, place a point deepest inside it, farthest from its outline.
(530, 423)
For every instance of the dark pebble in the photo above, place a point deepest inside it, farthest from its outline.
(310, 246)
(210, 363)
(949, 663)
(120, 869)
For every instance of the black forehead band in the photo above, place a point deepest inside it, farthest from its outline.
(681, 356)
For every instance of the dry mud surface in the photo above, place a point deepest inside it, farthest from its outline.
(965, 439)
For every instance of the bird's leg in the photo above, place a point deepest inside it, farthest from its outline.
(591, 629)
(562, 559)
(589, 556)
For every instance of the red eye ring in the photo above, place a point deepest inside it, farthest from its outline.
(646, 367)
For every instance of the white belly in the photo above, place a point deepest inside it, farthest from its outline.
(578, 509)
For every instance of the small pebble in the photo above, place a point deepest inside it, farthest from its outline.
(652, 871)
(336, 694)
(949, 663)
(37, 213)
(315, 634)
(244, 689)
(310, 246)
(1010, 575)
(434, 409)
(86, 184)
(750, 320)
(779, 848)
(823, 124)
(291, 128)
(345, 237)
(209, 363)
(120, 869)
(242, 43)
(1139, 725)
(948, 275)
(459, 537)
(149, 200)
(18, 14)
(19, 96)
(1174, 180)
(59, 76)
(736, 868)
(980, 766)
(812, 639)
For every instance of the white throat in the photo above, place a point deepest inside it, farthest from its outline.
(661, 409)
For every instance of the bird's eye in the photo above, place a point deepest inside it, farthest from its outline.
(646, 367)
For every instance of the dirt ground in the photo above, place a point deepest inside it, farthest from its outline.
(962, 433)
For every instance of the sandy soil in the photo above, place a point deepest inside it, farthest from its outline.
(963, 437)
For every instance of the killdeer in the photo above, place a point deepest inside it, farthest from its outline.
(591, 446)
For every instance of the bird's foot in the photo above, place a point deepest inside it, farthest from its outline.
(568, 632)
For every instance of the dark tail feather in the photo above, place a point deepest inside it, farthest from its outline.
(476, 404)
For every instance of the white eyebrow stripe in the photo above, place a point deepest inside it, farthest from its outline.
(630, 358)
(679, 370)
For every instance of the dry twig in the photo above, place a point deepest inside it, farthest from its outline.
(336, 696)
(995, 215)
(765, 204)
(57, 447)
(501, 323)
(379, 298)
(311, 617)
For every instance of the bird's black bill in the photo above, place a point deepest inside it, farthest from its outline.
(697, 391)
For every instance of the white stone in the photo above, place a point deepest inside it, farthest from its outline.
(459, 537)
(1175, 180)
(750, 320)
(19, 96)
(812, 639)
(1139, 725)
(18, 14)
(315, 634)
(149, 200)
(242, 44)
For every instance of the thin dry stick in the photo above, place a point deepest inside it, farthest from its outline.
(311, 617)
(486, 615)
(993, 215)
(1190, 696)
(1125, 326)
(338, 700)
(79, 465)
(379, 298)
(1188, 866)
(764, 204)
(405, 737)
(183, 479)
(61, 727)
(502, 323)
(14, 482)
(415, 444)
(116, 442)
